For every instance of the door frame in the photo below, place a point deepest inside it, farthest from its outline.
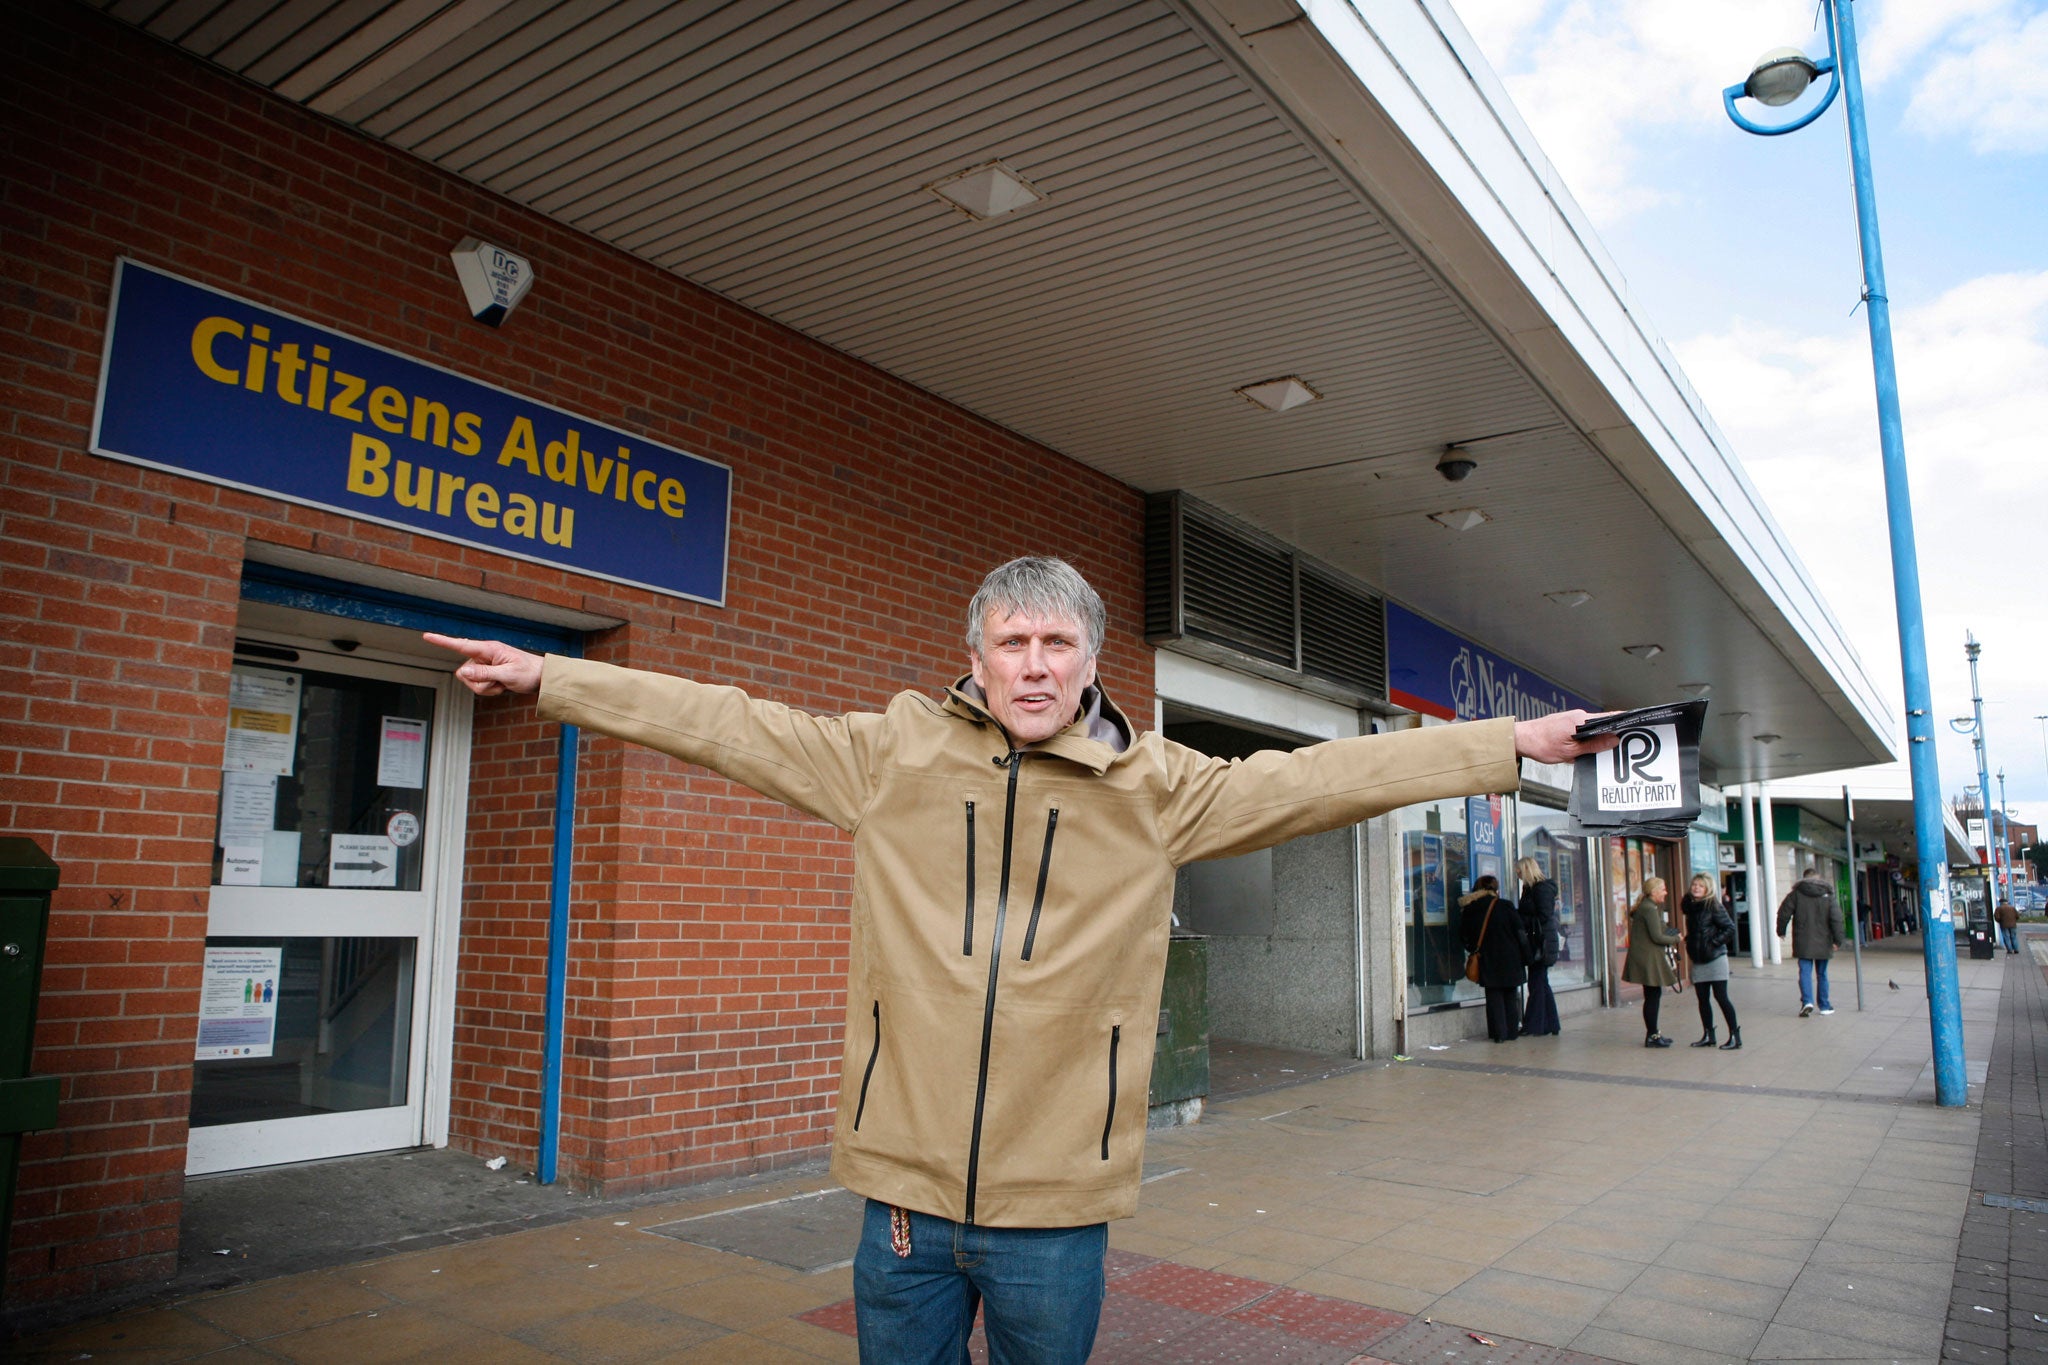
(432, 1010)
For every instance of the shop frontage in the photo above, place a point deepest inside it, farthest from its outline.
(757, 391)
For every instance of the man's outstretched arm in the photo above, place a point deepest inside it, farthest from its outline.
(493, 666)
(1549, 739)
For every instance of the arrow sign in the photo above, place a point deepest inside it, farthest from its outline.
(361, 860)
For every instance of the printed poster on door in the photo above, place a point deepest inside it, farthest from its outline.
(263, 721)
(238, 1003)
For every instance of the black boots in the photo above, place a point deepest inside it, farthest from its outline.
(1706, 1039)
(1656, 1040)
(1734, 1040)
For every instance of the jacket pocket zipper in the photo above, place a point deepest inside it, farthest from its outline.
(967, 932)
(874, 1055)
(1116, 1033)
(1052, 821)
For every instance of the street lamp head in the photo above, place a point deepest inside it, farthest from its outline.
(1780, 76)
(1962, 725)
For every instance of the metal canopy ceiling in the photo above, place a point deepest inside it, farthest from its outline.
(1194, 237)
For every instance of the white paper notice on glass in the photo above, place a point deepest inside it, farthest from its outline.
(263, 720)
(361, 860)
(402, 753)
(248, 806)
(241, 864)
(238, 1002)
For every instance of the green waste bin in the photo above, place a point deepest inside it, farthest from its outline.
(1180, 1065)
(27, 1103)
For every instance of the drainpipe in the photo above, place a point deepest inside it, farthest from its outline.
(1766, 832)
(558, 959)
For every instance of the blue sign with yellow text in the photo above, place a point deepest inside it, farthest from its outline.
(203, 383)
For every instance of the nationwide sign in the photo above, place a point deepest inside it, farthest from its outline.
(200, 382)
(1432, 670)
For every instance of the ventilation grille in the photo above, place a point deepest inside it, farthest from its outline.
(1224, 591)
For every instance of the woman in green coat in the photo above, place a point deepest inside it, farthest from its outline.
(1647, 964)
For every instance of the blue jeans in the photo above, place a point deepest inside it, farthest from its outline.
(2010, 938)
(1809, 968)
(1040, 1290)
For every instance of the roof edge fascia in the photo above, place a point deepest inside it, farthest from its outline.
(1407, 109)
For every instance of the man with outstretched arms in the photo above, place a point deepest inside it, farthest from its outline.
(1015, 841)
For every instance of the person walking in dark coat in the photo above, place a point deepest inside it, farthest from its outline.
(1809, 909)
(2008, 917)
(1492, 928)
(1709, 934)
(1647, 964)
(1539, 923)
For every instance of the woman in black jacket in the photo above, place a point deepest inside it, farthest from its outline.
(1490, 927)
(1709, 934)
(1539, 923)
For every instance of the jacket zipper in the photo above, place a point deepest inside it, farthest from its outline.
(995, 961)
(1052, 820)
(874, 1054)
(1116, 1033)
(967, 933)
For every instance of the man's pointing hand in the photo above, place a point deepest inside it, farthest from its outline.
(493, 666)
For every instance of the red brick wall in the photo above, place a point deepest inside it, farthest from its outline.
(709, 939)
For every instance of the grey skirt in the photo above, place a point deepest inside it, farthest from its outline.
(1717, 970)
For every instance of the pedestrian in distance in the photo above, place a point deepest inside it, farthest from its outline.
(1709, 938)
(1014, 844)
(2008, 917)
(1648, 965)
(1809, 910)
(1492, 928)
(1539, 922)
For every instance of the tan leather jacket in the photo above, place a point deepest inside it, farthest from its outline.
(1010, 911)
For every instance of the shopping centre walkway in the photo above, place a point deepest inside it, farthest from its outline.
(1560, 1199)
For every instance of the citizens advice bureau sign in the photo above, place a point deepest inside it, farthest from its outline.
(200, 382)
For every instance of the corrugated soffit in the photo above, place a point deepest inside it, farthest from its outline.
(1189, 243)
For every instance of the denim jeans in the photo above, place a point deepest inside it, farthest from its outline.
(2010, 938)
(1040, 1291)
(1809, 968)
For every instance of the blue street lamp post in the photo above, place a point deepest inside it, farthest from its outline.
(1780, 78)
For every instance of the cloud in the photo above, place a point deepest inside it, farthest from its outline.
(1591, 76)
(1990, 87)
(1596, 79)
(1799, 409)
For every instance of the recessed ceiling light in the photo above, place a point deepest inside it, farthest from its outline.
(1460, 518)
(986, 191)
(1570, 597)
(1643, 651)
(1767, 738)
(1695, 689)
(1278, 395)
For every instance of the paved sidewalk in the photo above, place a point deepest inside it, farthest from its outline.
(1564, 1199)
(1999, 1308)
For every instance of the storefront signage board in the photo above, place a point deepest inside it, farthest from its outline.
(203, 383)
(1439, 673)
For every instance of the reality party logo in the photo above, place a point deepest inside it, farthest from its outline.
(1633, 773)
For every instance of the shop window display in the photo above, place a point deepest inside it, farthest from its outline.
(1545, 835)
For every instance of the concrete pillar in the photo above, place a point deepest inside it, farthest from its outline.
(1759, 917)
(1383, 940)
(1769, 850)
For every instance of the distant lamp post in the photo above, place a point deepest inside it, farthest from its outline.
(1780, 77)
(2044, 739)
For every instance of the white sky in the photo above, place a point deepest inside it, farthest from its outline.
(1744, 252)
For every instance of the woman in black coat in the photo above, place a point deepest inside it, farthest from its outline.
(1490, 926)
(1539, 922)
